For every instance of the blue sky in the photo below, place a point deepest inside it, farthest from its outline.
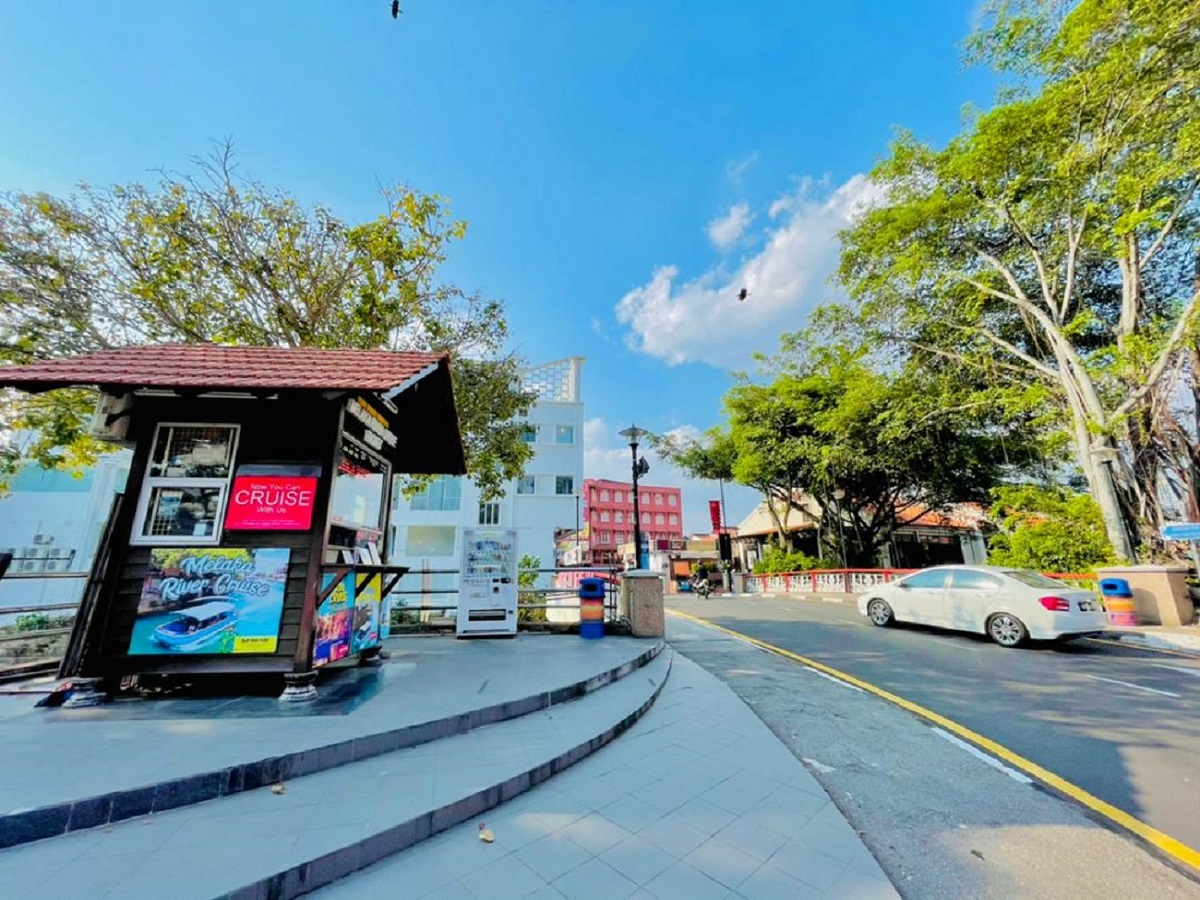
(625, 166)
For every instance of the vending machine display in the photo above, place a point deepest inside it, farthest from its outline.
(487, 594)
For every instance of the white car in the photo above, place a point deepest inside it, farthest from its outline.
(1008, 605)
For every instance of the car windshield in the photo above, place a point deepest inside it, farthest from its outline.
(1034, 580)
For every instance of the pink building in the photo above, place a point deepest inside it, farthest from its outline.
(608, 514)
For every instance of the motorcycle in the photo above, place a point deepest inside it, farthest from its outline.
(701, 587)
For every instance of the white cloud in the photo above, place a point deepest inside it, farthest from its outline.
(736, 169)
(726, 230)
(606, 455)
(703, 320)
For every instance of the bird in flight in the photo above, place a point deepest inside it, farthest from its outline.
(395, 9)
(743, 294)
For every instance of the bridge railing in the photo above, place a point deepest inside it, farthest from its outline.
(856, 581)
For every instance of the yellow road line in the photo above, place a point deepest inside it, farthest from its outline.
(1164, 842)
(1131, 646)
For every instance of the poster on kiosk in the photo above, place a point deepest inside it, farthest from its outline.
(487, 593)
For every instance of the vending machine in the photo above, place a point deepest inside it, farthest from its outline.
(487, 592)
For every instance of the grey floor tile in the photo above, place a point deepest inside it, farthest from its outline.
(549, 892)
(681, 881)
(451, 891)
(751, 838)
(516, 829)
(771, 884)
(855, 885)
(553, 856)
(637, 859)
(832, 836)
(663, 795)
(595, 833)
(723, 863)
(594, 880)
(704, 816)
(505, 878)
(674, 837)
(632, 814)
(808, 865)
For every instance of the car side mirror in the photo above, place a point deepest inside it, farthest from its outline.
(903, 586)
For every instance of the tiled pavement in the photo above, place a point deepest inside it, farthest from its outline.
(697, 800)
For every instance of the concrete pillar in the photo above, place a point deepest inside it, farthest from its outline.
(1160, 593)
(642, 590)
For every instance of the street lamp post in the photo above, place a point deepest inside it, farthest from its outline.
(634, 434)
(839, 495)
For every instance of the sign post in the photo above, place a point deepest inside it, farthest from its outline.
(1185, 531)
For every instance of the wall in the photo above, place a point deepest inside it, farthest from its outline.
(603, 509)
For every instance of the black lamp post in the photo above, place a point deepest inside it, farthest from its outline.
(839, 495)
(640, 468)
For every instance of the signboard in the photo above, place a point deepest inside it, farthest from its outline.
(367, 424)
(367, 605)
(272, 498)
(714, 513)
(334, 619)
(1181, 531)
(211, 601)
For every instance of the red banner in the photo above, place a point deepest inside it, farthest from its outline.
(271, 503)
(714, 512)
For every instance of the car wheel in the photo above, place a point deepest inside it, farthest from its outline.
(880, 613)
(1007, 630)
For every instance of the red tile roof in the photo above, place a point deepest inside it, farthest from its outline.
(216, 367)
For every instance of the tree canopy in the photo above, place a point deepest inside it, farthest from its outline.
(211, 256)
(1051, 247)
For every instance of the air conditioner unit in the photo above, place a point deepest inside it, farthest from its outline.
(55, 565)
(43, 539)
(58, 552)
(31, 553)
(110, 421)
(31, 565)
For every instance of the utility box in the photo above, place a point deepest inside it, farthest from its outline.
(487, 592)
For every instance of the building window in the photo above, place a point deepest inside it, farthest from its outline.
(618, 497)
(430, 540)
(645, 499)
(527, 484)
(618, 517)
(564, 484)
(186, 485)
(529, 434)
(489, 513)
(658, 518)
(673, 519)
(658, 499)
(564, 434)
(443, 493)
(604, 496)
(604, 515)
(672, 500)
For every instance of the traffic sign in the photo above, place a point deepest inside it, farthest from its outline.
(1181, 531)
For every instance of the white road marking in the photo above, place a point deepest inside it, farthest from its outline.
(835, 680)
(1136, 687)
(1195, 672)
(990, 760)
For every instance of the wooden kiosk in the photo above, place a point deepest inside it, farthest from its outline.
(254, 531)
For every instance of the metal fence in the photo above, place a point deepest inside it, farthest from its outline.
(33, 638)
(856, 581)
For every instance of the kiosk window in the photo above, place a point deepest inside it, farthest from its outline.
(186, 485)
(358, 489)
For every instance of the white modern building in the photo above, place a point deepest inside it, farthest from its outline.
(427, 528)
(51, 522)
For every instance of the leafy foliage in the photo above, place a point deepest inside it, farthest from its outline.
(776, 560)
(213, 257)
(1048, 530)
(527, 577)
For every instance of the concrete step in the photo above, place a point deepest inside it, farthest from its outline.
(260, 844)
(202, 759)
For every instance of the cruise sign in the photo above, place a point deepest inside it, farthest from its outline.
(271, 502)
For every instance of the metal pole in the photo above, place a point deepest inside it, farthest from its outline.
(726, 564)
(637, 521)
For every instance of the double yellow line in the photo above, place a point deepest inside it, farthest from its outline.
(1164, 842)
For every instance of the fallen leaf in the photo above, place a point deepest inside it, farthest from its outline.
(977, 853)
(485, 833)
(278, 788)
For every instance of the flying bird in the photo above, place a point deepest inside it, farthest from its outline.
(743, 294)
(395, 9)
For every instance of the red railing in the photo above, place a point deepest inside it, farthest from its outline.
(854, 581)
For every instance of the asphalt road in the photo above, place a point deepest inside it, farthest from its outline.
(1123, 724)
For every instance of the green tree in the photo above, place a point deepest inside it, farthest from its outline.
(1051, 245)
(1049, 529)
(527, 578)
(211, 256)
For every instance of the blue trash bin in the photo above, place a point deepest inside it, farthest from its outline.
(591, 608)
(1115, 587)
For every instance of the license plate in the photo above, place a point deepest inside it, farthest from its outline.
(1087, 606)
